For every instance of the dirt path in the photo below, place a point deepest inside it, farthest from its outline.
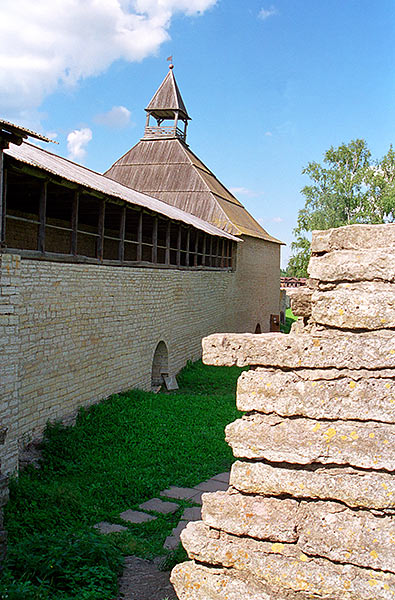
(142, 580)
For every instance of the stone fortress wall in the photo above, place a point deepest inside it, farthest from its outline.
(310, 511)
(72, 334)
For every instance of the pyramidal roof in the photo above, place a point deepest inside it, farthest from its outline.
(168, 170)
(167, 99)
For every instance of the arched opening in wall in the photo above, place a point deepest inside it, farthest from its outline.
(160, 365)
(258, 328)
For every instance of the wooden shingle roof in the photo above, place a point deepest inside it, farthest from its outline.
(167, 99)
(168, 170)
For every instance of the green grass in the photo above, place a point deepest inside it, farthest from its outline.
(289, 319)
(121, 452)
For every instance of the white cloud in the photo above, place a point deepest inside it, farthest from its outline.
(277, 219)
(265, 13)
(116, 118)
(77, 141)
(46, 44)
(243, 192)
(268, 133)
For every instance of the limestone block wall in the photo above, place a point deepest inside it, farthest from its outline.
(71, 334)
(257, 284)
(310, 511)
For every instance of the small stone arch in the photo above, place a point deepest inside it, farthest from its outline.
(160, 365)
(258, 328)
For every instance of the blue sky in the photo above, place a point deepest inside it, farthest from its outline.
(269, 86)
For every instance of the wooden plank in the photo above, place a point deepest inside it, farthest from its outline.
(155, 241)
(74, 222)
(140, 237)
(42, 213)
(122, 226)
(100, 239)
(167, 258)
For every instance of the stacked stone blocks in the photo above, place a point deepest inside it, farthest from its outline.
(310, 511)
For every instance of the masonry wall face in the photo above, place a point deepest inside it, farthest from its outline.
(257, 284)
(72, 334)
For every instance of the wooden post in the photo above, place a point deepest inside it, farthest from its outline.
(188, 243)
(195, 258)
(100, 239)
(74, 222)
(140, 237)
(222, 252)
(179, 246)
(204, 250)
(211, 252)
(42, 213)
(155, 241)
(121, 253)
(167, 259)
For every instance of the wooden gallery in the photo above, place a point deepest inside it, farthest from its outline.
(109, 282)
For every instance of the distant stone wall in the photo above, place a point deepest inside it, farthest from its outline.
(71, 334)
(310, 511)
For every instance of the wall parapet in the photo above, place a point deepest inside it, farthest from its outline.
(310, 511)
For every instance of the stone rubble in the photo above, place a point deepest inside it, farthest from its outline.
(310, 511)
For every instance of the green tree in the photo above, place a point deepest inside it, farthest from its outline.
(349, 187)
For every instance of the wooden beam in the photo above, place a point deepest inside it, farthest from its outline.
(140, 237)
(155, 241)
(122, 226)
(42, 214)
(167, 258)
(74, 222)
(100, 239)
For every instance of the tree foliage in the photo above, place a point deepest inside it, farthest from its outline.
(349, 187)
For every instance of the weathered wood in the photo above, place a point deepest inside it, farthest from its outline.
(100, 239)
(188, 245)
(74, 223)
(122, 225)
(167, 255)
(155, 241)
(140, 237)
(195, 257)
(42, 213)
(179, 246)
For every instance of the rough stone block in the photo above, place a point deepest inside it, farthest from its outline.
(300, 301)
(354, 237)
(287, 567)
(358, 489)
(255, 516)
(323, 349)
(333, 531)
(367, 305)
(193, 581)
(305, 441)
(323, 394)
(353, 265)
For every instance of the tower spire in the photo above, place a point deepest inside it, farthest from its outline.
(167, 104)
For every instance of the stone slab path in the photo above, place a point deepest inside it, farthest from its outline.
(141, 579)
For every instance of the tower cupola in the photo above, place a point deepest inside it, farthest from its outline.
(167, 105)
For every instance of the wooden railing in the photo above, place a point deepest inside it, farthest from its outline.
(166, 131)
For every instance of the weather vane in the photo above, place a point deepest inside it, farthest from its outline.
(170, 59)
